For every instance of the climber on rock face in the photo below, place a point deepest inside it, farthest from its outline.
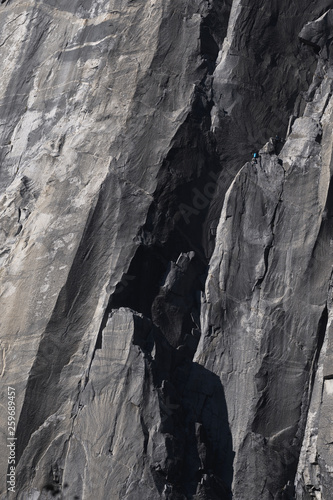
(255, 158)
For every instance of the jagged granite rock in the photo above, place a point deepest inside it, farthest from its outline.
(154, 354)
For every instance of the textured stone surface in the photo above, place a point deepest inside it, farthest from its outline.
(166, 304)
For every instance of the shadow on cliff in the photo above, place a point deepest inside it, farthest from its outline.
(208, 435)
(194, 421)
(194, 417)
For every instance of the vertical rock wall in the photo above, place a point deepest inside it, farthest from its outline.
(165, 310)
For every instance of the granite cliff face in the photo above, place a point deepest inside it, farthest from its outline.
(166, 303)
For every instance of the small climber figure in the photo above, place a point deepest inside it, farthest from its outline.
(255, 158)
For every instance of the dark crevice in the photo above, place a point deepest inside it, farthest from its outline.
(270, 246)
(329, 208)
(138, 287)
(185, 179)
(316, 48)
(322, 325)
(141, 283)
(145, 432)
(185, 172)
(169, 232)
(99, 336)
(209, 47)
(188, 177)
(266, 255)
(319, 138)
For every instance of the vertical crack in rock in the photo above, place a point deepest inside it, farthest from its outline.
(322, 326)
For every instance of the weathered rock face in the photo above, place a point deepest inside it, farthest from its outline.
(166, 311)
